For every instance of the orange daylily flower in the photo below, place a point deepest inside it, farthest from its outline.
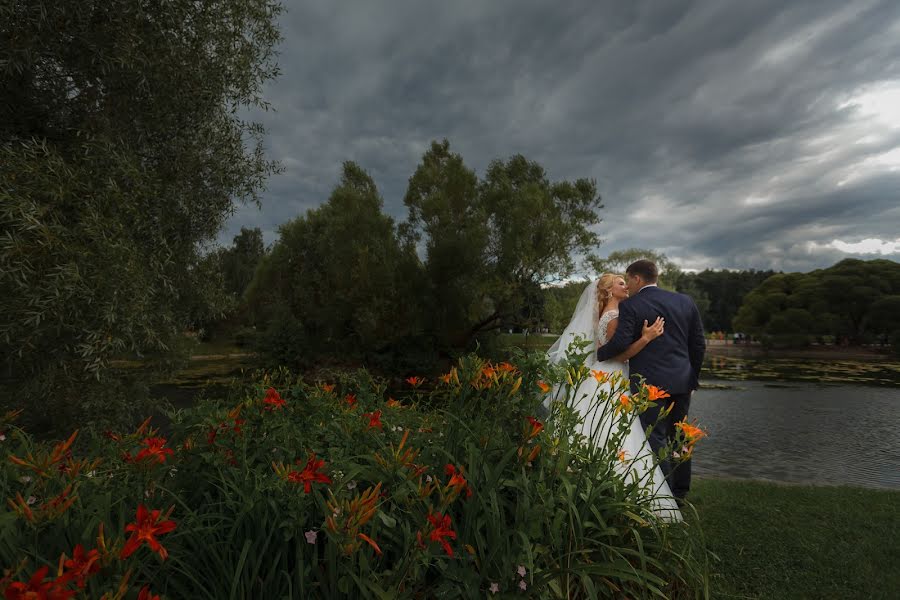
(415, 381)
(154, 450)
(145, 529)
(310, 474)
(506, 367)
(451, 376)
(691, 432)
(81, 566)
(393, 403)
(625, 404)
(544, 387)
(536, 427)
(600, 376)
(273, 400)
(350, 399)
(441, 531)
(374, 419)
(328, 387)
(457, 481)
(656, 393)
(38, 589)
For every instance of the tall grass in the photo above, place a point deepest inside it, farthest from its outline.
(344, 488)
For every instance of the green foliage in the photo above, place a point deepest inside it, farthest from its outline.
(532, 504)
(559, 304)
(239, 261)
(854, 300)
(120, 151)
(618, 261)
(341, 272)
(490, 244)
(723, 292)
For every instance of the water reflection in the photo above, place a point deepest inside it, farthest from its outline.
(799, 432)
(878, 372)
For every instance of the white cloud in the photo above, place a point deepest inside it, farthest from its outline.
(868, 246)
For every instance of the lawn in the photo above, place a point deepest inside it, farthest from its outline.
(783, 541)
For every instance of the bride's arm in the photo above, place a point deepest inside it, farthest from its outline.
(650, 333)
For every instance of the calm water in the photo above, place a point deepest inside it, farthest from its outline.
(799, 432)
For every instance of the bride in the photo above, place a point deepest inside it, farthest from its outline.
(595, 319)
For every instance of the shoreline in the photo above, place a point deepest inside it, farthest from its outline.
(716, 348)
(812, 485)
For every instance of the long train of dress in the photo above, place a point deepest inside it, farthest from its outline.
(639, 462)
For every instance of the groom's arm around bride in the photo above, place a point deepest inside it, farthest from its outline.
(671, 362)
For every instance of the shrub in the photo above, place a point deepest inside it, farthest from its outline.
(348, 489)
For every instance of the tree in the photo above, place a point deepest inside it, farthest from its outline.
(851, 300)
(723, 292)
(560, 302)
(121, 150)
(618, 261)
(487, 243)
(239, 261)
(339, 278)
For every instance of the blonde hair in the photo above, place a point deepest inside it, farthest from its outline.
(604, 289)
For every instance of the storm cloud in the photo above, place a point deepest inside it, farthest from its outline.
(759, 134)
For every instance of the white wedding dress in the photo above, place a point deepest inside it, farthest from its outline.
(598, 420)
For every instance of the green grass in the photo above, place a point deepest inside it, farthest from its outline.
(793, 542)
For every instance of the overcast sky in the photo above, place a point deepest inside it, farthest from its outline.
(738, 134)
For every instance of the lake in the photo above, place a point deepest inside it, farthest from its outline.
(825, 422)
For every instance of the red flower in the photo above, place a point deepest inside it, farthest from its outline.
(273, 399)
(536, 427)
(154, 450)
(457, 480)
(415, 381)
(38, 589)
(350, 399)
(441, 524)
(145, 529)
(310, 474)
(146, 595)
(81, 565)
(374, 419)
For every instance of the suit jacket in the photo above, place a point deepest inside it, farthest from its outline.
(673, 360)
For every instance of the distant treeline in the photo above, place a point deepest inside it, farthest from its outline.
(852, 302)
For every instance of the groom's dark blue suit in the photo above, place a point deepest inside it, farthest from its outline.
(671, 362)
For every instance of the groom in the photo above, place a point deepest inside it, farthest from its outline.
(671, 362)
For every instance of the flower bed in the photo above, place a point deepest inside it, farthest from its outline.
(344, 488)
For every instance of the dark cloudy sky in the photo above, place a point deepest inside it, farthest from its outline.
(727, 134)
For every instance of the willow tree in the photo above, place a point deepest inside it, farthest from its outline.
(123, 146)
